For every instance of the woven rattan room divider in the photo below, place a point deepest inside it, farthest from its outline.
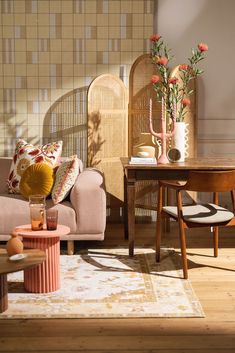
(108, 135)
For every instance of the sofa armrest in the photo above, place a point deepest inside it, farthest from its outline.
(88, 198)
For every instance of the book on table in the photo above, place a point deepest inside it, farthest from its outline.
(142, 160)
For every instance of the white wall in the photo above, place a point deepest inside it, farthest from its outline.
(185, 23)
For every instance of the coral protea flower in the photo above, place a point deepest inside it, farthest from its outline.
(186, 101)
(155, 37)
(184, 67)
(162, 60)
(155, 79)
(202, 47)
(173, 80)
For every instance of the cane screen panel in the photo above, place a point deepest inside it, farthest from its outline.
(107, 132)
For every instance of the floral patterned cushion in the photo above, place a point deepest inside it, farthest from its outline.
(27, 154)
(65, 178)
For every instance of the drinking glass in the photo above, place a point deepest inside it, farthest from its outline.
(37, 211)
(51, 219)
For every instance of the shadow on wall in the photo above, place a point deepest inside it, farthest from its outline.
(67, 120)
(95, 139)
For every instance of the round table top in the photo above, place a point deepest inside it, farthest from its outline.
(26, 231)
(34, 257)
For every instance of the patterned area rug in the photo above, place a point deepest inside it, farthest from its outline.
(106, 283)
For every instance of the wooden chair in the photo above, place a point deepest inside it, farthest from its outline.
(197, 215)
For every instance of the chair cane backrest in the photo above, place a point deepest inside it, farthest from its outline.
(211, 181)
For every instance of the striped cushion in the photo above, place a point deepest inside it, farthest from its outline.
(206, 214)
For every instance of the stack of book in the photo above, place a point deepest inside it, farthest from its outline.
(143, 160)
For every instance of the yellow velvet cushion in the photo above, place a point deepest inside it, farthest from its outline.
(38, 178)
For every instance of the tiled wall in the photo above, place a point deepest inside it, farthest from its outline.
(50, 52)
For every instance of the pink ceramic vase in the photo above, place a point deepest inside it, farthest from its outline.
(14, 245)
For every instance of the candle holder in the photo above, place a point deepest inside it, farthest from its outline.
(163, 135)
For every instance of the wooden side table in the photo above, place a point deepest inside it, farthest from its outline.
(45, 277)
(34, 258)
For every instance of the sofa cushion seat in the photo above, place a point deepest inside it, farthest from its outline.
(15, 211)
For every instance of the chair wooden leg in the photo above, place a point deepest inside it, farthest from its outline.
(159, 225)
(183, 250)
(158, 237)
(216, 240)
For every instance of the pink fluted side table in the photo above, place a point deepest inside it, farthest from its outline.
(45, 277)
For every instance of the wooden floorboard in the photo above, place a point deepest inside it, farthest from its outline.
(213, 280)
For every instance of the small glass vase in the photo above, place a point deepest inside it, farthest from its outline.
(37, 211)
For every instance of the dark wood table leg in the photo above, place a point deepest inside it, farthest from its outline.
(131, 215)
(3, 293)
(125, 209)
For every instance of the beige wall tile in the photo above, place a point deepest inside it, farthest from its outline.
(114, 58)
(91, 58)
(32, 82)
(90, 45)
(20, 69)
(137, 32)
(56, 57)
(32, 44)
(8, 32)
(126, 6)
(43, 19)
(21, 95)
(126, 45)
(7, 19)
(8, 69)
(102, 32)
(114, 32)
(79, 19)
(20, 57)
(33, 94)
(31, 19)
(90, 6)
(114, 6)
(19, 19)
(79, 70)
(138, 20)
(44, 57)
(115, 20)
(67, 32)
(67, 58)
(90, 20)
(20, 44)
(138, 6)
(55, 45)
(43, 6)
(67, 19)
(32, 70)
(44, 82)
(102, 19)
(91, 71)
(102, 44)
(67, 6)
(67, 84)
(67, 45)
(19, 6)
(67, 70)
(43, 70)
(79, 32)
(55, 6)
(31, 31)
(43, 32)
